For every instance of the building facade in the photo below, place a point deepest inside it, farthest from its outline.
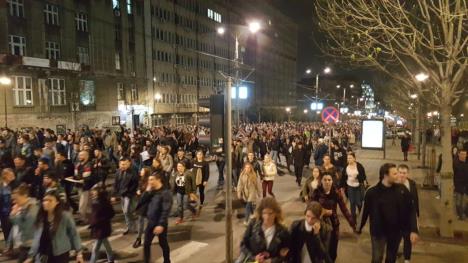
(105, 62)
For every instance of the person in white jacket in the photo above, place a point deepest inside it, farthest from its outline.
(269, 174)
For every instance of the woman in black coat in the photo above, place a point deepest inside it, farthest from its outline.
(266, 239)
(405, 144)
(100, 223)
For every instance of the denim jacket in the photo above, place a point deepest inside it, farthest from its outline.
(65, 239)
(25, 220)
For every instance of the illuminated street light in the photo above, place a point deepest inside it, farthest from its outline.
(158, 96)
(221, 30)
(421, 77)
(414, 96)
(351, 86)
(327, 70)
(338, 86)
(306, 111)
(308, 71)
(288, 109)
(5, 80)
(254, 27)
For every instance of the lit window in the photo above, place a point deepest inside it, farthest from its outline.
(52, 50)
(83, 55)
(16, 8)
(51, 14)
(81, 20)
(134, 93)
(22, 91)
(120, 91)
(116, 4)
(57, 91)
(117, 61)
(129, 7)
(17, 45)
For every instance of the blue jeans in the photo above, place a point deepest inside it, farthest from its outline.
(355, 199)
(141, 226)
(182, 204)
(128, 206)
(97, 246)
(274, 156)
(460, 204)
(249, 209)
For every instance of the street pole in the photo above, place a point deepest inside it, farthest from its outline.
(237, 80)
(6, 108)
(344, 96)
(316, 88)
(228, 154)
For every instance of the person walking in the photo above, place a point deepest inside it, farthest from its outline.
(391, 212)
(311, 184)
(248, 190)
(102, 213)
(330, 198)
(23, 215)
(354, 183)
(185, 189)
(7, 185)
(159, 207)
(320, 152)
(298, 155)
(142, 205)
(84, 175)
(125, 188)
(269, 172)
(405, 145)
(460, 182)
(266, 239)
(56, 234)
(410, 184)
(311, 237)
(201, 172)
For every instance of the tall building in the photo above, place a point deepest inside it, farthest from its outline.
(101, 63)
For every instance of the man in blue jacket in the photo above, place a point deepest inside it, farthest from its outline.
(157, 214)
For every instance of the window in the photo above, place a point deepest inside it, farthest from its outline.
(81, 20)
(22, 91)
(16, 8)
(117, 61)
(83, 55)
(214, 16)
(116, 4)
(134, 93)
(57, 91)
(52, 50)
(51, 14)
(129, 7)
(17, 45)
(120, 91)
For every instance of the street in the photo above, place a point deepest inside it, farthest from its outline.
(204, 238)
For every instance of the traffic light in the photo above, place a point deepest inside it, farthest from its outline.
(214, 121)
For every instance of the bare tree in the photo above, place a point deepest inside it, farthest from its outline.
(408, 36)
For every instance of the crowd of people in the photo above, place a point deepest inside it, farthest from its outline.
(52, 182)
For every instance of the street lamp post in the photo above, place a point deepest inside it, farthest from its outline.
(327, 70)
(5, 81)
(228, 154)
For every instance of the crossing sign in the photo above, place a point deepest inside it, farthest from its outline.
(330, 115)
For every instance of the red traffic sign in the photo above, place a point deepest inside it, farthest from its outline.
(330, 115)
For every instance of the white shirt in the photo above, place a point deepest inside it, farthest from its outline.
(352, 172)
(406, 183)
(269, 234)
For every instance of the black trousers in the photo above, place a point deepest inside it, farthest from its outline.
(333, 247)
(201, 191)
(68, 187)
(298, 172)
(63, 258)
(23, 254)
(407, 246)
(163, 243)
(6, 226)
(389, 244)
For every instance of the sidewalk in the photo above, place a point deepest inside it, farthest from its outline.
(429, 205)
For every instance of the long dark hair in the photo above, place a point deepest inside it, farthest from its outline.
(58, 213)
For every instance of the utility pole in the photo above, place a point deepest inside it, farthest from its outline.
(228, 154)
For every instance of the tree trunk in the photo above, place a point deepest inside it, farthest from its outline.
(417, 130)
(446, 173)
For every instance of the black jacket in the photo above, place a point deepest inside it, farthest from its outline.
(414, 195)
(460, 176)
(254, 242)
(205, 169)
(338, 157)
(298, 156)
(390, 209)
(100, 220)
(64, 169)
(126, 183)
(159, 208)
(361, 175)
(317, 245)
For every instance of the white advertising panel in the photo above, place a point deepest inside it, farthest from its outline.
(373, 134)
